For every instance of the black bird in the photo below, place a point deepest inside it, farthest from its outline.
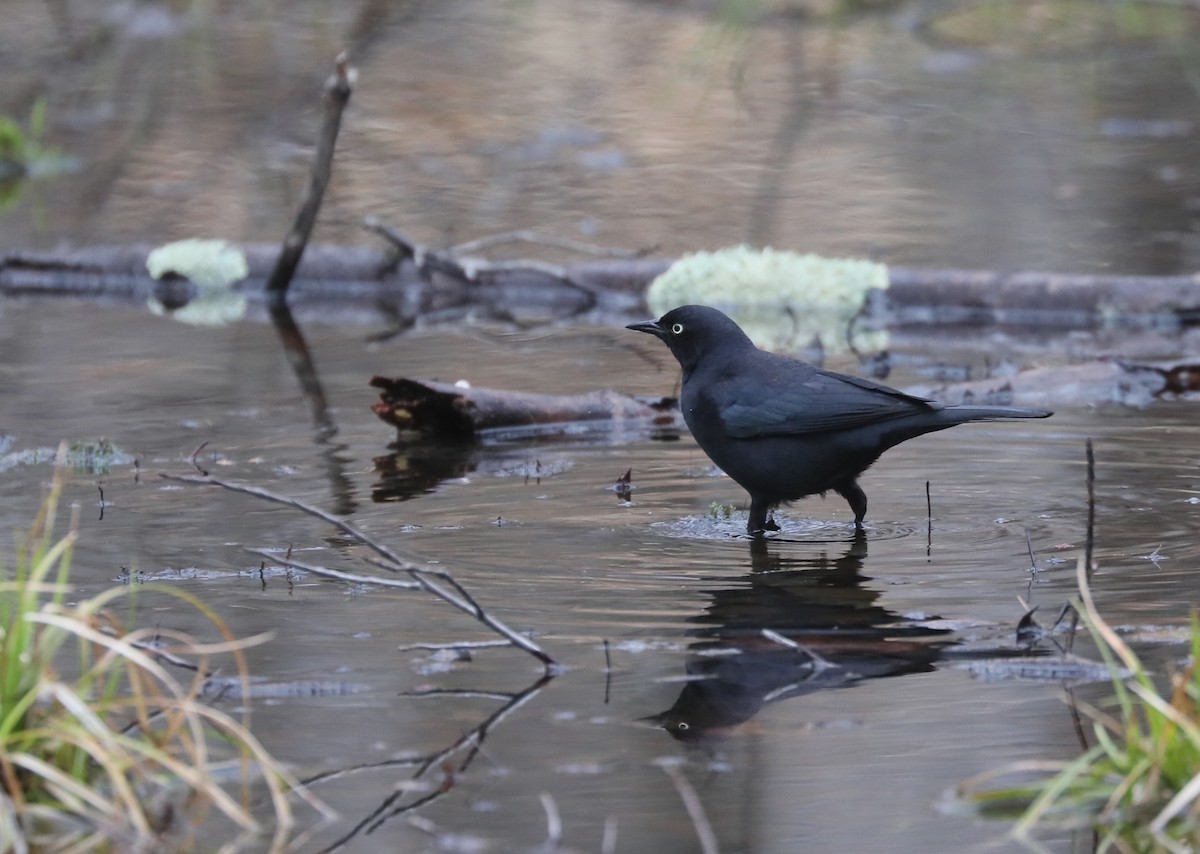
(784, 429)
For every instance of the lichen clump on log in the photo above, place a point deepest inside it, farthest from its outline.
(783, 300)
(214, 267)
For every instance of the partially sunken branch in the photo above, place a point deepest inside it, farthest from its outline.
(337, 94)
(430, 580)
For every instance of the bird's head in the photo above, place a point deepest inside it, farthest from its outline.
(695, 331)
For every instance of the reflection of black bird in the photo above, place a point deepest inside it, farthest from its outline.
(783, 428)
(838, 635)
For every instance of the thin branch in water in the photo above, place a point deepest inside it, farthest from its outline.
(453, 645)
(527, 236)
(192, 458)
(467, 603)
(337, 574)
(1089, 545)
(607, 672)
(691, 802)
(459, 692)
(928, 521)
(471, 739)
(553, 821)
(608, 843)
(1089, 542)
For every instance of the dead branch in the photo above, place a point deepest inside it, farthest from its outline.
(471, 741)
(338, 575)
(449, 411)
(533, 237)
(337, 94)
(467, 270)
(423, 576)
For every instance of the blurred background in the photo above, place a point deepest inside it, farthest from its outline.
(1005, 134)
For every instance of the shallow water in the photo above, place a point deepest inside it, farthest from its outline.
(891, 135)
(794, 758)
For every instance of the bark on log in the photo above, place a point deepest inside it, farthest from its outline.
(451, 412)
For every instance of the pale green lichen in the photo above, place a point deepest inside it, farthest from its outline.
(783, 300)
(213, 266)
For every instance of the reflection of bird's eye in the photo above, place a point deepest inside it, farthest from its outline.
(682, 725)
(677, 328)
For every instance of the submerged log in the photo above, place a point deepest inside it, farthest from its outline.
(445, 411)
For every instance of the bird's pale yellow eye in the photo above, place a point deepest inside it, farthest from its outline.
(676, 328)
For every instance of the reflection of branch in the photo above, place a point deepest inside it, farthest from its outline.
(337, 93)
(460, 598)
(473, 739)
(295, 348)
(337, 574)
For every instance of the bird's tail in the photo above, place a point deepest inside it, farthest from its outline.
(969, 412)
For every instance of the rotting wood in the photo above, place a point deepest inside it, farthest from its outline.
(448, 411)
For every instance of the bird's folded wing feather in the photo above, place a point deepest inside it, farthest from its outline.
(807, 400)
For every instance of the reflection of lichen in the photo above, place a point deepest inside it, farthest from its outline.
(96, 457)
(85, 457)
(213, 266)
(784, 301)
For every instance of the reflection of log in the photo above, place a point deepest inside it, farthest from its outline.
(448, 411)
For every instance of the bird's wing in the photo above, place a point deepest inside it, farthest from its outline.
(799, 398)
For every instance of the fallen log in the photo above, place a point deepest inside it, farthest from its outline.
(459, 412)
(416, 283)
(445, 411)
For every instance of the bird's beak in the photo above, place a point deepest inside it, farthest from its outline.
(650, 326)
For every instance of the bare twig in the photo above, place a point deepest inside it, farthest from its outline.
(608, 843)
(192, 458)
(695, 809)
(1090, 541)
(453, 645)
(527, 236)
(928, 521)
(467, 269)
(338, 575)
(337, 94)
(471, 739)
(422, 575)
(459, 692)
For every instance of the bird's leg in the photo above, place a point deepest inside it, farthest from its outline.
(758, 522)
(852, 492)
